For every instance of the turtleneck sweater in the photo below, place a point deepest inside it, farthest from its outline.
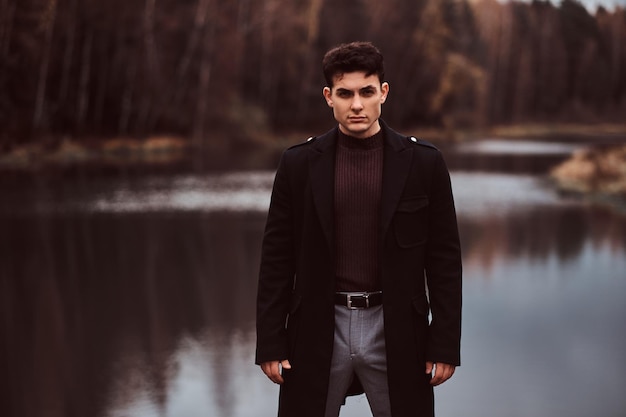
(358, 185)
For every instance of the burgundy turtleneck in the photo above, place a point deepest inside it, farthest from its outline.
(358, 185)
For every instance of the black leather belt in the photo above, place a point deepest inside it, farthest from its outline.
(354, 300)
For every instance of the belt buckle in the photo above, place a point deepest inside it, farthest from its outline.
(349, 300)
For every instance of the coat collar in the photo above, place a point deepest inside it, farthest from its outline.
(396, 164)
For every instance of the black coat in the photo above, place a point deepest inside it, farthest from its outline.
(420, 273)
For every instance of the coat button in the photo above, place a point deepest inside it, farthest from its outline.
(413, 139)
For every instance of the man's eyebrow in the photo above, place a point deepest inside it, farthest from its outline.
(368, 88)
(341, 90)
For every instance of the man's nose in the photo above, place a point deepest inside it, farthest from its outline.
(356, 103)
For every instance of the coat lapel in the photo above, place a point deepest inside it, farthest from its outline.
(396, 168)
(322, 177)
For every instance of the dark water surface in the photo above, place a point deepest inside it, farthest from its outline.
(134, 297)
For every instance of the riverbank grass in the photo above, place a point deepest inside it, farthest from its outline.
(598, 173)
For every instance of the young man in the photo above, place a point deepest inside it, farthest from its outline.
(361, 243)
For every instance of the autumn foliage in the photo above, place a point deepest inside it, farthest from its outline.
(209, 69)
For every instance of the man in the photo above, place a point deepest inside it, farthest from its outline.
(361, 243)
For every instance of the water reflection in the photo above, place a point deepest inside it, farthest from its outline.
(226, 192)
(518, 147)
(537, 314)
(540, 234)
(95, 306)
(135, 297)
(480, 194)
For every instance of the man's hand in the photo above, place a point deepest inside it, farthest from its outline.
(443, 372)
(272, 370)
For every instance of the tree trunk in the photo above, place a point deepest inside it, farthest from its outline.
(180, 86)
(49, 19)
(204, 77)
(126, 102)
(83, 83)
(7, 13)
(268, 68)
(68, 55)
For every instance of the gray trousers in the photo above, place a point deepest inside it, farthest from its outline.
(359, 349)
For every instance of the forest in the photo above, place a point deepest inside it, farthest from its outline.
(205, 70)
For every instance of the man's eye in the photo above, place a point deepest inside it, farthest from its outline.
(343, 94)
(367, 93)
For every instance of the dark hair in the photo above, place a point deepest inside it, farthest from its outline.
(353, 57)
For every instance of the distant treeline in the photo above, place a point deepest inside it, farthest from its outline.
(209, 68)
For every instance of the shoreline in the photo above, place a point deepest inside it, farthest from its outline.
(163, 150)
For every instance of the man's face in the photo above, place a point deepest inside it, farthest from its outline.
(356, 100)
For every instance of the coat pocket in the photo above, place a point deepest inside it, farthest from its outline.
(411, 221)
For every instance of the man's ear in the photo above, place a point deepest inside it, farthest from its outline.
(328, 94)
(384, 88)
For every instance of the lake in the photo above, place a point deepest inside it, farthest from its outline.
(134, 296)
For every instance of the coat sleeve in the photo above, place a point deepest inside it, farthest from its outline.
(277, 271)
(443, 271)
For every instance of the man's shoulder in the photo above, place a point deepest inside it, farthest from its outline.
(413, 140)
(307, 142)
(321, 142)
